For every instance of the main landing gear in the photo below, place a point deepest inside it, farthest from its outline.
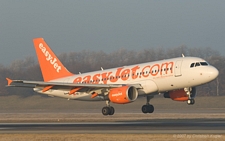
(148, 108)
(190, 100)
(108, 110)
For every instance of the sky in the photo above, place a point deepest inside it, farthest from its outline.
(109, 25)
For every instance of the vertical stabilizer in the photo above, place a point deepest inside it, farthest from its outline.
(50, 65)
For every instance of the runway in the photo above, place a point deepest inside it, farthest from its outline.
(161, 126)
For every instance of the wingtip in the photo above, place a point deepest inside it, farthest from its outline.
(9, 81)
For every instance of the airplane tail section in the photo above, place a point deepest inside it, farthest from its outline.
(50, 65)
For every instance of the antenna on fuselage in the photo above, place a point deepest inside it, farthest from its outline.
(183, 55)
(79, 72)
(102, 69)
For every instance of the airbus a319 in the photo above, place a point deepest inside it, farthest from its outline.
(176, 78)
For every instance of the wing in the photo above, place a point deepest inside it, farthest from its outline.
(48, 85)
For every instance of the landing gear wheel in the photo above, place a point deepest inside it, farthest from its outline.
(191, 101)
(105, 111)
(144, 109)
(147, 109)
(151, 108)
(112, 110)
(108, 111)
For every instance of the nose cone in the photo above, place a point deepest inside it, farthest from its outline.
(212, 73)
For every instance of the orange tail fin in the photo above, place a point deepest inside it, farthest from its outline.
(51, 67)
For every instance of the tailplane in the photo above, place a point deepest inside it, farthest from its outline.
(50, 65)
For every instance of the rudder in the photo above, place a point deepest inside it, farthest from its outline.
(51, 66)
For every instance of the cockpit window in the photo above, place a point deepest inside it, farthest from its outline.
(204, 63)
(192, 65)
(197, 64)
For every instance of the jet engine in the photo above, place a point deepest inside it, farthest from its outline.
(123, 95)
(180, 95)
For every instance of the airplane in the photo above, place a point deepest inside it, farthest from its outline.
(176, 78)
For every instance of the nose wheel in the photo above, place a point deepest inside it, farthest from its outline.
(191, 101)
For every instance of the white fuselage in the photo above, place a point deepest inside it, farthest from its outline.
(154, 77)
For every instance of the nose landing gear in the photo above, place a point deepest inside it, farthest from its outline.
(190, 100)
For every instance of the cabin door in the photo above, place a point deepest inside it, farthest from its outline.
(177, 69)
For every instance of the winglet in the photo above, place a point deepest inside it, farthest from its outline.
(50, 65)
(9, 81)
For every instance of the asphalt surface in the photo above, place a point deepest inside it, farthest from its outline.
(161, 126)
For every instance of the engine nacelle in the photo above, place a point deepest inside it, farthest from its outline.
(123, 95)
(179, 95)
